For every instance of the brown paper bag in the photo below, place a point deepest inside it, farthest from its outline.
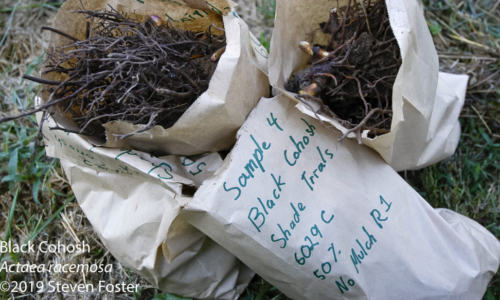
(324, 220)
(211, 122)
(131, 199)
(426, 103)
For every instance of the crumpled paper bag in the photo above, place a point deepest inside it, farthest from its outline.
(211, 122)
(131, 199)
(324, 220)
(426, 103)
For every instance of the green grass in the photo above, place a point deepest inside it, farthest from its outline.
(468, 182)
(8, 236)
(259, 289)
(25, 174)
(267, 9)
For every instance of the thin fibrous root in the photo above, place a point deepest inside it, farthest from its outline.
(363, 122)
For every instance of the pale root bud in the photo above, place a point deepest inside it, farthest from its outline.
(311, 89)
(306, 48)
(218, 54)
(318, 52)
(157, 20)
(313, 51)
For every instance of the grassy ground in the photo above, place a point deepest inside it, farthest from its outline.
(37, 204)
(467, 37)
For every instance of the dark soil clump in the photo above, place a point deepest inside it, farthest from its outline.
(143, 72)
(353, 75)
